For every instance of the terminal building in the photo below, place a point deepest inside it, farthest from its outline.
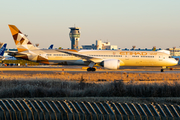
(174, 51)
(75, 36)
(100, 46)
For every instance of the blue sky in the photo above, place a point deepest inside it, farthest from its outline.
(143, 23)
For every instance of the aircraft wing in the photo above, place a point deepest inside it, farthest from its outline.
(86, 57)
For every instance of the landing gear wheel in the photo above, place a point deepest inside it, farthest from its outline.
(91, 69)
(162, 70)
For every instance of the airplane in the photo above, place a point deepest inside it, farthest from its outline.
(109, 59)
(2, 49)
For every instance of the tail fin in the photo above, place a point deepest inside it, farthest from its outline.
(51, 46)
(2, 49)
(154, 48)
(21, 41)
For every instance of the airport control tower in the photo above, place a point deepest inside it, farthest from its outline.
(74, 37)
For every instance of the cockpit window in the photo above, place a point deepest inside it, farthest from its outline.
(170, 56)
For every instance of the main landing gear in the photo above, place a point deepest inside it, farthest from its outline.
(162, 70)
(91, 69)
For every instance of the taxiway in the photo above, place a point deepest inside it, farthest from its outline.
(80, 69)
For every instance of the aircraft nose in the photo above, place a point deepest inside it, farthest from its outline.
(175, 61)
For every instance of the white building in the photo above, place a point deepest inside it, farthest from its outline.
(174, 51)
(100, 46)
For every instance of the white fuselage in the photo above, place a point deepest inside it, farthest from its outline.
(127, 58)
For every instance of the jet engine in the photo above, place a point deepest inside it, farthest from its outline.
(110, 64)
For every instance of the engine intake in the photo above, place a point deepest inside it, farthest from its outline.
(111, 64)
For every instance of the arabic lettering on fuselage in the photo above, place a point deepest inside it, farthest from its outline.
(136, 53)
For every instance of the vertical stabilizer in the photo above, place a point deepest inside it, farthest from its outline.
(21, 41)
(51, 46)
(2, 49)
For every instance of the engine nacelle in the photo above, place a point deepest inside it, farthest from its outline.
(111, 64)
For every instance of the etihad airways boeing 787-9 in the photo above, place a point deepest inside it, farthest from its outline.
(109, 59)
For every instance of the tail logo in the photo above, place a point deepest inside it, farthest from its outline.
(21, 41)
(23, 44)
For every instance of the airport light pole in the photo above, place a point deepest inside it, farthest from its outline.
(173, 50)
